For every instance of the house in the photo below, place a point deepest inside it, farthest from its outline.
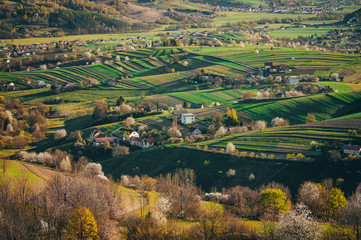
(144, 142)
(165, 108)
(98, 137)
(187, 118)
(293, 80)
(10, 86)
(130, 134)
(196, 132)
(351, 149)
(268, 65)
(196, 106)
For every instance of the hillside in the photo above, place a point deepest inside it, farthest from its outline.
(56, 18)
(353, 18)
(162, 160)
(324, 107)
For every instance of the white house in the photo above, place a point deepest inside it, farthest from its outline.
(353, 150)
(196, 132)
(293, 80)
(144, 142)
(128, 135)
(187, 118)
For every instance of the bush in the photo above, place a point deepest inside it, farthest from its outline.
(120, 150)
(61, 133)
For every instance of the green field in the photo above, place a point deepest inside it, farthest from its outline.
(296, 32)
(273, 139)
(324, 106)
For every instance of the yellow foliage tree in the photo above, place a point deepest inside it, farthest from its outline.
(82, 225)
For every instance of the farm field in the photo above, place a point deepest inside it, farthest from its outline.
(283, 140)
(324, 106)
(295, 32)
(234, 17)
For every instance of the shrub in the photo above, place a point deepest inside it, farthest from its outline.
(120, 150)
(61, 133)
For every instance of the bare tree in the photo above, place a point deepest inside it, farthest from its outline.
(351, 217)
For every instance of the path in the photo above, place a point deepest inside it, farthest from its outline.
(38, 171)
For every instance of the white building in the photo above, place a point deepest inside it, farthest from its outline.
(351, 150)
(128, 135)
(293, 80)
(187, 118)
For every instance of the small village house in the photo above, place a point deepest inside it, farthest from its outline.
(293, 80)
(98, 137)
(351, 149)
(130, 134)
(144, 142)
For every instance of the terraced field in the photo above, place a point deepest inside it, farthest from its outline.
(282, 139)
(323, 106)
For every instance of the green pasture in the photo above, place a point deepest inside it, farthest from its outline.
(296, 32)
(272, 138)
(234, 17)
(337, 86)
(323, 106)
(209, 96)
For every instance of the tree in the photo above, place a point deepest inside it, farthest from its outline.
(334, 155)
(335, 202)
(127, 123)
(82, 224)
(230, 147)
(61, 133)
(231, 117)
(220, 132)
(100, 110)
(279, 122)
(120, 100)
(298, 224)
(120, 150)
(273, 202)
(174, 131)
(351, 217)
(310, 118)
(310, 195)
(248, 95)
(259, 125)
(185, 105)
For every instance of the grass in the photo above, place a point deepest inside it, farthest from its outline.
(324, 106)
(209, 96)
(340, 87)
(269, 139)
(16, 168)
(234, 17)
(296, 32)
